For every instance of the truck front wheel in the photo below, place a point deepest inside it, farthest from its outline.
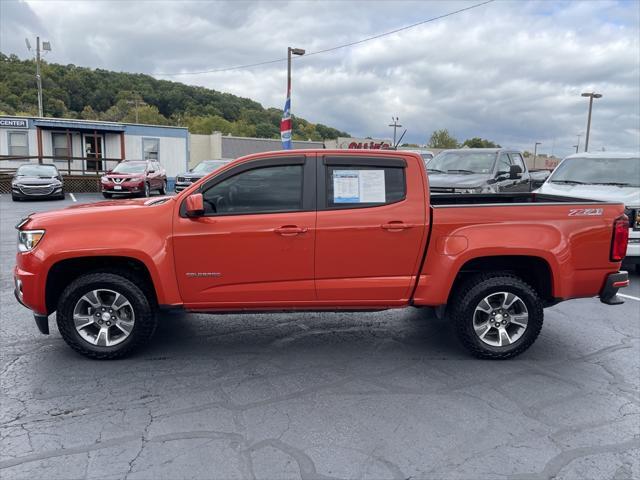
(104, 315)
(496, 316)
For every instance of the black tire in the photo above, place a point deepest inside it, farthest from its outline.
(163, 189)
(471, 293)
(14, 198)
(143, 308)
(147, 190)
(107, 195)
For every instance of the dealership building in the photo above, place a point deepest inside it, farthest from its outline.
(89, 147)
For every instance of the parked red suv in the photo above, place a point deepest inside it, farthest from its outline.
(137, 177)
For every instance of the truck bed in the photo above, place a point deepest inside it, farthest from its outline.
(520, 198)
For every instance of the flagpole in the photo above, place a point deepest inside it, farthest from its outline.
(286, 125)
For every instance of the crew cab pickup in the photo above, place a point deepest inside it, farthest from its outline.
(318, 230)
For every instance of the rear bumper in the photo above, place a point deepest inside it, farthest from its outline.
(614, 281)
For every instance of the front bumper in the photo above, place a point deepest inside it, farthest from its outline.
(123, 188)
(614, 281)
(42, 321)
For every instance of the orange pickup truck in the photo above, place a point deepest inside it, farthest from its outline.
(318, 230)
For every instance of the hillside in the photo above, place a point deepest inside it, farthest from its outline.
(78, 92)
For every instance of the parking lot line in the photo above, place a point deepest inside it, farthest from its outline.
(637, 299)
(73, 197)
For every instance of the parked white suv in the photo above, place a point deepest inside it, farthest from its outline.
(604, 176)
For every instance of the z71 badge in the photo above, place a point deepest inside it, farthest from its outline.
(585, 212)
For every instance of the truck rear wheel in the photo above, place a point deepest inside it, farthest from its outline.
(105, 316)
(497, 316)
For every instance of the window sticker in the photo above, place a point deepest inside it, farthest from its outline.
(358, 186)
(346, 186)
(372, 186)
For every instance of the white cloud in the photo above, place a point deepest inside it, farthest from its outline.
(508, 71)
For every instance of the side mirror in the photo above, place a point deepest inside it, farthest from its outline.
(195, 205)
(515, 171)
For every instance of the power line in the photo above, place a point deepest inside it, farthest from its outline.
(331, 49)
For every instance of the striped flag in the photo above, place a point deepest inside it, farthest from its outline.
(285, 124)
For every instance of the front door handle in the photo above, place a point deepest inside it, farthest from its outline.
(396, 226)
(290, 230)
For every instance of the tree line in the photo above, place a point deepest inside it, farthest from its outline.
(443, 139)
(95, 94)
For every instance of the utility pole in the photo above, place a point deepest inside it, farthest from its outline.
(46, 46)
(578, 145)
(395, 126)
(591, 96)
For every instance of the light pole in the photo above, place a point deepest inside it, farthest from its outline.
(46, 46)
(591, 96)
(578, 145)
(286, 126)
(395, 126)
(535, 153)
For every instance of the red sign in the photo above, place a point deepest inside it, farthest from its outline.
(371, 145)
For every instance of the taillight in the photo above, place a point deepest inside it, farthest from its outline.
(620, 238)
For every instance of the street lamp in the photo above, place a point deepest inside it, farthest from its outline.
(535, 153)
(591, 96)
(286, 124)
(46, 46)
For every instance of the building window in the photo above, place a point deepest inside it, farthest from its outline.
(18, 144)
(61, 149)
(151, 148)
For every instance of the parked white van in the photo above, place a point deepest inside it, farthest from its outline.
(604, 176)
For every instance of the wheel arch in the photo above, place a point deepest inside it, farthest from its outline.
(534, 270)
(66, 270)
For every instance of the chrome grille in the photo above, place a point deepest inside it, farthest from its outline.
(36, 189)
(117, 180)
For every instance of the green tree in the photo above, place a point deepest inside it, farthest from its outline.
(477, 142)
(442, 139)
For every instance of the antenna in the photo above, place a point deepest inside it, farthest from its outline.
(395, 147)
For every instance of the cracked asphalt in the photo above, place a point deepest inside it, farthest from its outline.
(320, 396)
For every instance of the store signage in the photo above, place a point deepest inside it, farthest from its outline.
(14, 123)
(366, 143)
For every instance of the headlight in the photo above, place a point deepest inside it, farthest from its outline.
(28, 239)
(104, 180)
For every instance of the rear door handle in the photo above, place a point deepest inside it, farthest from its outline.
(396, 226)
(290, 230)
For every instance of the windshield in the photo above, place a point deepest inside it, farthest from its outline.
(462, 162)
(624, 172)
(37, 171)
(130, 167)
(426, 156)
(207, 167)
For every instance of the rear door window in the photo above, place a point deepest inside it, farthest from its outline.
(358, 185)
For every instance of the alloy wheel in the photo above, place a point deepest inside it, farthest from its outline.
(103, 317)
(500, 319)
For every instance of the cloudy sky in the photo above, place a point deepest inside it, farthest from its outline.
(508, 71)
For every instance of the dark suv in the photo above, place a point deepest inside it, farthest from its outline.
(204, 168)
(33, 180)
(135, 177)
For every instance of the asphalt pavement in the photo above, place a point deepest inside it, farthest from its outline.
(319, 396)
